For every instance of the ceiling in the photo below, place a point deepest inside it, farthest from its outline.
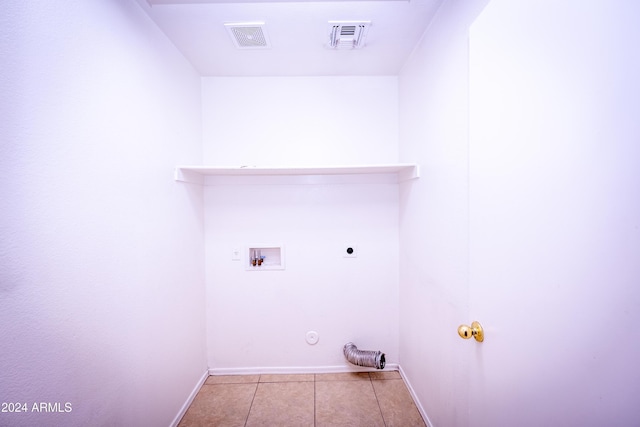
(298, 32)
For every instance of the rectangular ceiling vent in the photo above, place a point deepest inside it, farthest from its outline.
(347, 34)
(248, 35)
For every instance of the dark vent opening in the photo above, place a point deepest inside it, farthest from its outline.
(348, 30)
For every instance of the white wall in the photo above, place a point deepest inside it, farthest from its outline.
(259, 319)
(101, 265)
(433, 93)
(300, 120)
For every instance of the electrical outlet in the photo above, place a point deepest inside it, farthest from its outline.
(235, 254)
(350, 251)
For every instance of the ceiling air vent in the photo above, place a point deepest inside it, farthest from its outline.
(347, 34)
(248, 35)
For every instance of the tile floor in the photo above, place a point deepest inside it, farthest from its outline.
(346, 399)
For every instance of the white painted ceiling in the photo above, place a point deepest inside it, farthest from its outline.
(298, 32)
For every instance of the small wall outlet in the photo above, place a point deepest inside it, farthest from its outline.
(236, 254)
(350, 251)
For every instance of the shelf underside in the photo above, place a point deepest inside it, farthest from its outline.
(404, 171)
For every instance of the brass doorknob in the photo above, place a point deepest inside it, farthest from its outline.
(475, 330)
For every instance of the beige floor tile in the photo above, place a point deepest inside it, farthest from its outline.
(367, 399)
(343, 376)
(347, 403)
(232, 379)
(221, 405)
(398, 408)
(283, 404)
(385, 375)
(276, 378)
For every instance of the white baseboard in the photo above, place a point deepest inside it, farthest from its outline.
(298, 370)
(425, 417)
(189, 401)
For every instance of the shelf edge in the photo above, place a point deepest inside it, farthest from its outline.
(188, 175)
(195, 174)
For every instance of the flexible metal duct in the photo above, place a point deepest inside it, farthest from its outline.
(372, 359)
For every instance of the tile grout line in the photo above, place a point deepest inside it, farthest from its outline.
(246, 420)
(377, 400)
(314, 400)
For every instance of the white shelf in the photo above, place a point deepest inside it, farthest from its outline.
(404, 171)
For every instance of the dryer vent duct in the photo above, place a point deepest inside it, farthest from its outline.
(248, 35)
(347, 34)
(371, 359)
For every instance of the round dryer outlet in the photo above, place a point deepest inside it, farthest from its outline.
(312, 337)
